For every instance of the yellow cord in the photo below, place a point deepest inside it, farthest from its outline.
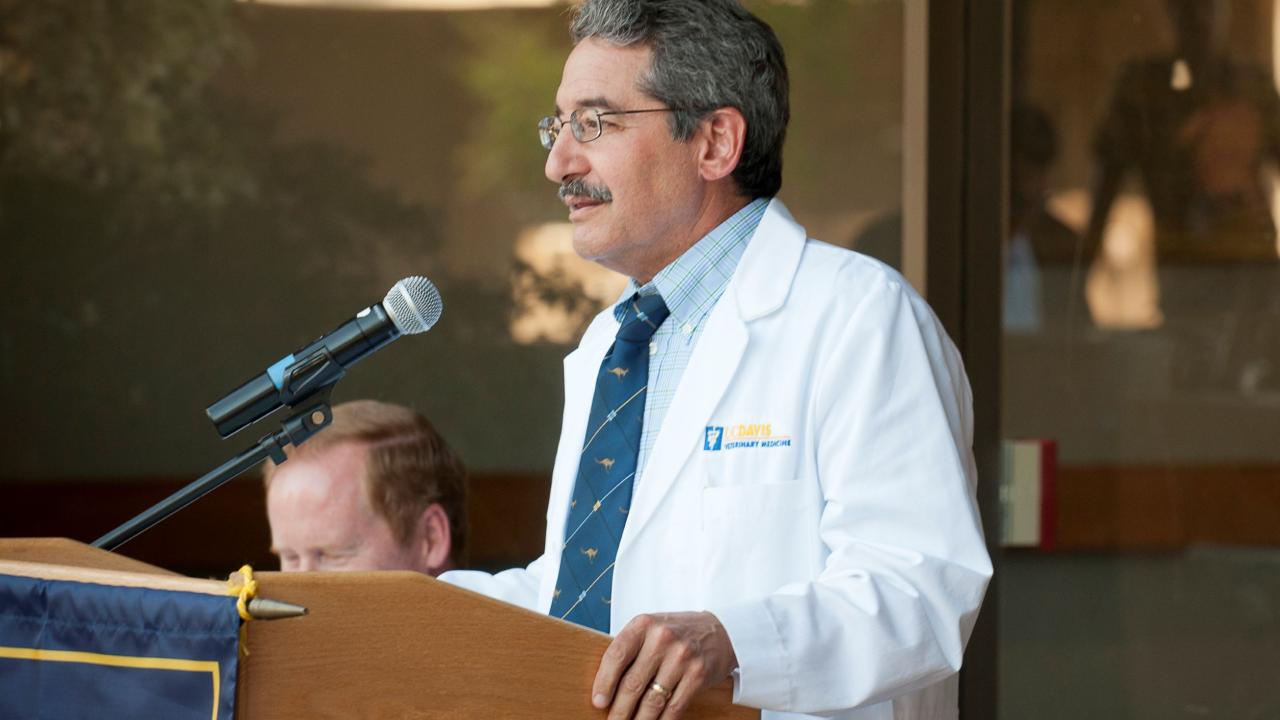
(246, 589)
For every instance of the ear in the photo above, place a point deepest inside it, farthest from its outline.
(722, 133)
(435, 545)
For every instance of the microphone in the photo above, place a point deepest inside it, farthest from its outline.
(412, 306)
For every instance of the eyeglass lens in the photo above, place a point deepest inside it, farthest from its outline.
(548, 129)
(585, 125)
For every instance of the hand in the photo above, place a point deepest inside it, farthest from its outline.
(685, 653)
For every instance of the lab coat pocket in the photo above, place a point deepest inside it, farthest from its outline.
(759, 537)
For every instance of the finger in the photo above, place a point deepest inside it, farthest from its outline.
(653, 703)
(657, 700)
(617, 658)
(681, 696)
(633, 688)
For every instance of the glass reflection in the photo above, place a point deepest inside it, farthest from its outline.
(1202, 131)
(1142, 343)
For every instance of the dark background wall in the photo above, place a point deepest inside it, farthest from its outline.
(190, 191)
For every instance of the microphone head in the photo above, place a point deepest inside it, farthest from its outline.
(414, 305)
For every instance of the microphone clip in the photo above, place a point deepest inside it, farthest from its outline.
(314, 374)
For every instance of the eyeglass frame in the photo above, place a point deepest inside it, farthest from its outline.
(551, 125)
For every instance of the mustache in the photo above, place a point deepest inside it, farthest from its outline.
(580, 188)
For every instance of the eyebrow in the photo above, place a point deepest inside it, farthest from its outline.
(599, 103)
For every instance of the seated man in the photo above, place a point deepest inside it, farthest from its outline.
(377, 490)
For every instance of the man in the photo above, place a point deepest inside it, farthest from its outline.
(764, 470)
(377, 490)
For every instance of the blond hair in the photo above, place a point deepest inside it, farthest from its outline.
(408, 466)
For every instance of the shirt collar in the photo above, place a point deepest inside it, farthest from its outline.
(694, 281)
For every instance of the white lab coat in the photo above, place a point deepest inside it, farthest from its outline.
(842, 551)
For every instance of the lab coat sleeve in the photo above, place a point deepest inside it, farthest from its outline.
(893, 606)
(518, 586)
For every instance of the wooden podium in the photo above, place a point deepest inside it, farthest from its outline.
(383, 645)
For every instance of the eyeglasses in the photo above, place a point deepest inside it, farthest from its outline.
(584, 124)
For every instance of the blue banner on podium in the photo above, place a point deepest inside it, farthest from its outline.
(73, 650)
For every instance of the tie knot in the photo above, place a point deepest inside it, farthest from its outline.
(643, 316)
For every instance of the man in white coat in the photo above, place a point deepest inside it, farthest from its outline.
(800, 511)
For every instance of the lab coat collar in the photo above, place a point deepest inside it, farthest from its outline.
(769, 264)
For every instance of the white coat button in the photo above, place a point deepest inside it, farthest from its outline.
(653, 349)
(686, 328)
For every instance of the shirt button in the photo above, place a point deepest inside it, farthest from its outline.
(653, 349)
(686, 328)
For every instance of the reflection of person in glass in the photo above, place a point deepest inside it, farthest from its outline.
(1044, 286)
(1201, 128)
(767, 439)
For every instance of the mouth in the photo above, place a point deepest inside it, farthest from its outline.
(582, 197)
(579, 205)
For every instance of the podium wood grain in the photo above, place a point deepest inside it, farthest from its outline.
(402, 645)
(386, 645)
(61, 551)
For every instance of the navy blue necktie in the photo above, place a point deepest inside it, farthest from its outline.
(607, 470)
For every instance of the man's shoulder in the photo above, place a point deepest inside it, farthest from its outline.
(785, 264)
(843, 276)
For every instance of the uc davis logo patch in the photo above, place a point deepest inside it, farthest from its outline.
(744, 436)
(714, 436)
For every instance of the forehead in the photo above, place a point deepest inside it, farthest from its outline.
(334, 476)
(602, 75)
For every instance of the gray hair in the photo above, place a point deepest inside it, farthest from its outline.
(707, 54)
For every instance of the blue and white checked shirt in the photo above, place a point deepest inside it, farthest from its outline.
(691, 286)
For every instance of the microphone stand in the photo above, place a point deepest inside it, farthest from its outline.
(295, 430)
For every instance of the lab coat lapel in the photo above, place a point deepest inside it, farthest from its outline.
(580, 370)
(759, 286)
(705, 380)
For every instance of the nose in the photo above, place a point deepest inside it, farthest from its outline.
(566, 160)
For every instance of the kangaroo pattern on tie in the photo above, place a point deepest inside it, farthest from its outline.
(607, 470)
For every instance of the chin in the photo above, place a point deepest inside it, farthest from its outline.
(590, 244)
